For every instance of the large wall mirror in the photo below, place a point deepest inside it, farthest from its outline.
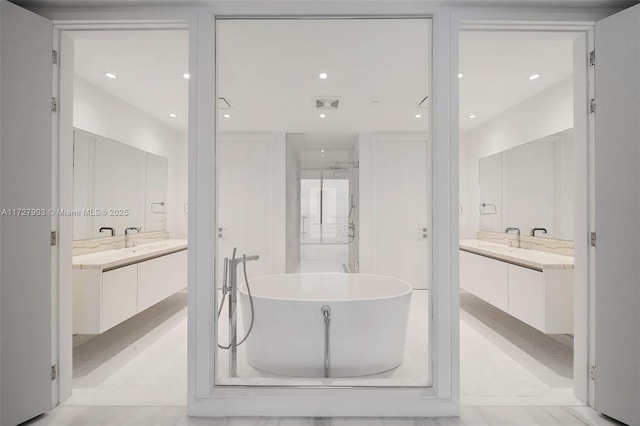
(116, 186)
(530, 186)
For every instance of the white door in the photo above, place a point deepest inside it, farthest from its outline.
(395, 172)
(25, 179)
(617, 217)
(251, 202)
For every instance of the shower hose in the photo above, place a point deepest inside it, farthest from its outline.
(224, 295)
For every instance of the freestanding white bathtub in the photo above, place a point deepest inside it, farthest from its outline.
(368, 327)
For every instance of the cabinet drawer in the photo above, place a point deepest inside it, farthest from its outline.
(486, 278)
(526, 296)
(159, 278)
(119, 295)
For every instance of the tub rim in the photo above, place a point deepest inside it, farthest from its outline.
(409, 291)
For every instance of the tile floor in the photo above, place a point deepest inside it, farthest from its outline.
(135, 374)
(323, 257)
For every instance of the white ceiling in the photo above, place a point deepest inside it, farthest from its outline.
(149, 66)
(331, 7)
(497, 65)
(268, 71)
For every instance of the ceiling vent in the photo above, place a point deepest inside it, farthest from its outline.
(327, 102)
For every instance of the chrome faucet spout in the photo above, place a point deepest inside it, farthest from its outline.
(126, 234)
(238, 260)
(517, 231)
(512, 229)
(246, 258)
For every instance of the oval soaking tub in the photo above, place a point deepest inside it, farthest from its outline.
(368, 326)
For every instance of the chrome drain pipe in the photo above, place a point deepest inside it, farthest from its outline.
(326, 314)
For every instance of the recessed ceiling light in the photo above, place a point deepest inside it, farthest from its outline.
(322, 150)
(322, 156)
(534, 76)
(110, 75)
(472, 116)
(227, 116)
(418, 115)
(322, 116)
(186, 75)
(323, 75)
(172, 115)
(460, 75)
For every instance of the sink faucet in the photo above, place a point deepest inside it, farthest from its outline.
(533, 231)
(126, 235)
(517, 231)
(106, 228)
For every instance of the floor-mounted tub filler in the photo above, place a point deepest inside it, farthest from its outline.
(326, 324)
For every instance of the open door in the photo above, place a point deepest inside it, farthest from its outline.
(617, 217)
(25, 223)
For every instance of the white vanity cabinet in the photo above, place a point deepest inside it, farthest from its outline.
(159, 278)
(486, 278)
(539, 296)
(103, 297)
(119, 296)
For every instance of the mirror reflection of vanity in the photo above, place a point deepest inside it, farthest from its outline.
(530, 186)
(119, 185)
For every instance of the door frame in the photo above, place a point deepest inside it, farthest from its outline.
(203, 399)
(199, 23)
(441, 398)
(584, 84)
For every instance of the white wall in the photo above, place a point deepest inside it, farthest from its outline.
(354, 191)
(545, 114)
(179, 185)
(295, 144)
(528, 184)
(100, 113)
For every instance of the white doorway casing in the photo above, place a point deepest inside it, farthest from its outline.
(208, 400)
(201, 128)
(561, 106)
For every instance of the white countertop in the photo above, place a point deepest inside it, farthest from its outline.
(528, 258)
(111, 259)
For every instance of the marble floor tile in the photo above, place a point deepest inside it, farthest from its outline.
(323, 257)
(503, 361)
(176, 416)
(142, 361)
(135, 374)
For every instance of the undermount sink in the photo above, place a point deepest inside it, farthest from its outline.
(497, 247)
(114, 257)
(146, 248)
